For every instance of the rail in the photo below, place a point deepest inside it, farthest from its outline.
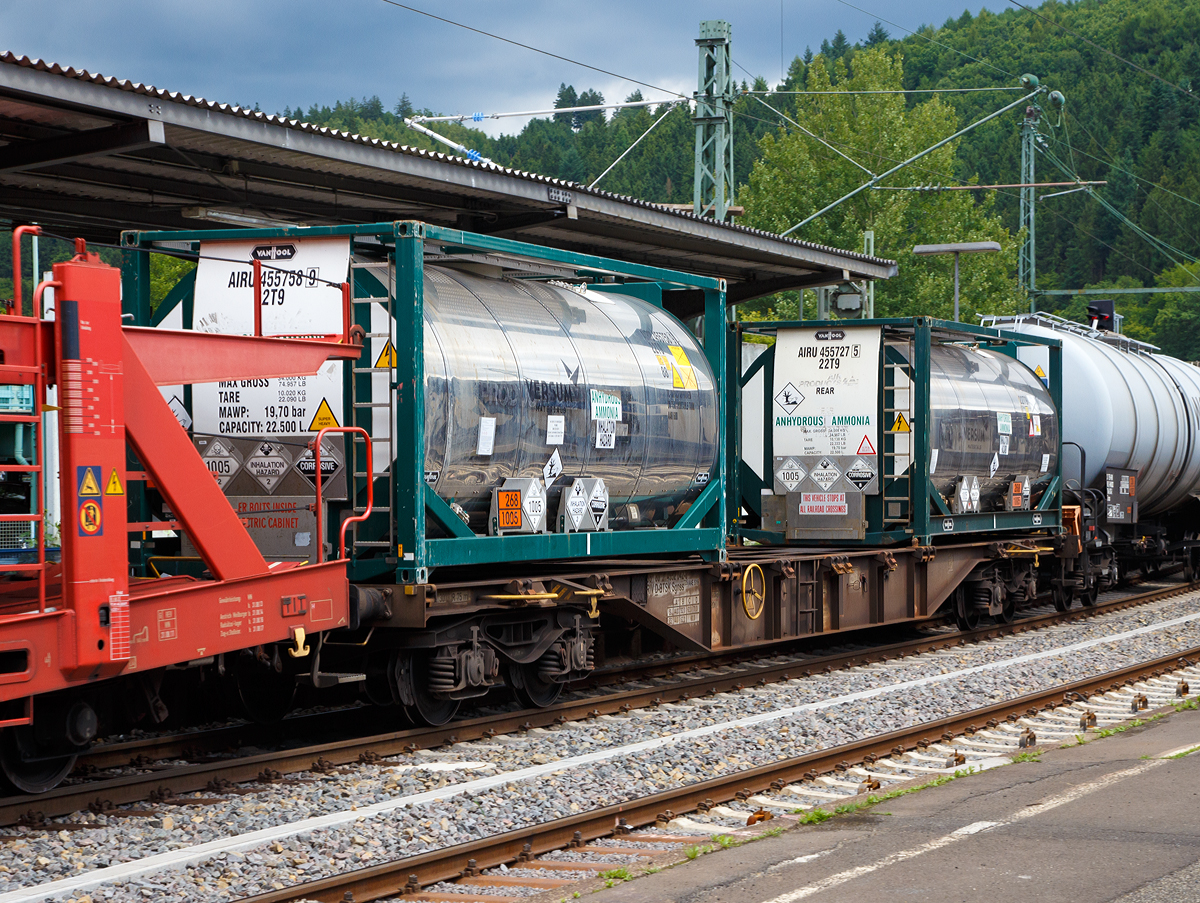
(131, 788)
(409, 874)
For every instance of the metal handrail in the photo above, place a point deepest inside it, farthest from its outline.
(359, 518)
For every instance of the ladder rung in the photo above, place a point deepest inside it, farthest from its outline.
(371, 544)
(376, 510)
(369, 300)
(379, 335)
(372, 404)
(362, 475)
(372, 369)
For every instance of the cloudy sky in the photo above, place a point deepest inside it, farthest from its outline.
(299, 52)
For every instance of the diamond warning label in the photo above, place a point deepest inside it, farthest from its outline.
(860, 473)
(222, 462)
(790, 473)
(825, 474)
(577, 503)
(268, 465)
(683, 376)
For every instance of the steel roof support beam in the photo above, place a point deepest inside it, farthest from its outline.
(117, 139)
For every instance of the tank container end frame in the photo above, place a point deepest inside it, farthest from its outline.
(414, 554)
(928, 516)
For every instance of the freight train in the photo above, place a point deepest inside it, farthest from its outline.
(425, 464)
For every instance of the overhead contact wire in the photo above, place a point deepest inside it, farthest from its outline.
(557, 56)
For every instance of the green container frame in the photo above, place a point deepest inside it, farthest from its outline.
(929, 516)
(414, 554)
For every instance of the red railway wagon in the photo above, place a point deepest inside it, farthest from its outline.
(68, 627)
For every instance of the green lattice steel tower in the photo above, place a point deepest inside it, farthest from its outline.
(1027, 264)
(713, 193)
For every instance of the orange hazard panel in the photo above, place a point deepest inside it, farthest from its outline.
(509, 507)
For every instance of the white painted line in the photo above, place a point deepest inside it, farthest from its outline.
(945, 840)
(799, 860)
(198, 853)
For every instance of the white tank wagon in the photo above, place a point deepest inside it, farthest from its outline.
(1132, 416)
(1127, 408)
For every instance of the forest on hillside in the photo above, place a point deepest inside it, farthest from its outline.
(1138, 133)
(1131, 120)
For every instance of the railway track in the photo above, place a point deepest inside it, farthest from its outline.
(616, 755)
(158, 781)
(1094, 704)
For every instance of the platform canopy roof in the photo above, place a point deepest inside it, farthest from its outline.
(86, 154)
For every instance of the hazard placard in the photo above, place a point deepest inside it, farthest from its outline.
(508, 509)
(114, 486)
(89, 484)
(826, 390)
(683, 375)
(899, 425)
(387, 357)
(865, 447)
(323, 418)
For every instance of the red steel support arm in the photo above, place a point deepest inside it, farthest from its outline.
(173, 356)
(180, 475)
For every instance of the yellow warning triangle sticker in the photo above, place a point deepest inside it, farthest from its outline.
(900, 426)
(114, 486)
(1039, 371)
(323, 418)
(89, 486)
(387, 357)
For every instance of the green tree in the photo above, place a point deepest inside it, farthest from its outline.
(876, 36)
(566, 98)
(1178, 321)
(165, 271)
(589, 98)
(797, 176)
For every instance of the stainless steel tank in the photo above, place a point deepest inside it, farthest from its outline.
(524, 352)
(990, 418)
(1128, 408)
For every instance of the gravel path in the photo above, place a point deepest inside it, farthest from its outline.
(786, 719)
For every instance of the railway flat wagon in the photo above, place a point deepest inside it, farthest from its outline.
(545, 455)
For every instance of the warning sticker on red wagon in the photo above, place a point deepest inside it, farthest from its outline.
(823, 503)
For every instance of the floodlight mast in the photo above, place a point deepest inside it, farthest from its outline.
(1035, 89)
